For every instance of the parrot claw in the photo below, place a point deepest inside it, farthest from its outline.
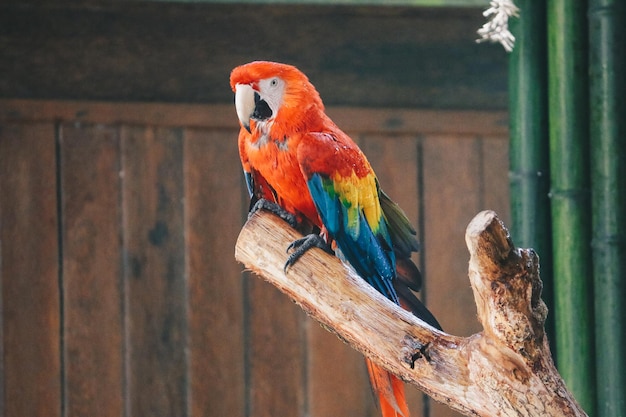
(274, 208)
(300, 246)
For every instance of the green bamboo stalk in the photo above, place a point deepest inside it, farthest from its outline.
(529, 142)
(570, 206)
(608, 175)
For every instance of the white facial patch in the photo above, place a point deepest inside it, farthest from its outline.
(272, 91)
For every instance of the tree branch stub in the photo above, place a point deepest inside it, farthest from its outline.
(506, 370)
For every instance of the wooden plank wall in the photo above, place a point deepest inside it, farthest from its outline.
(182, 51)
(120, 294)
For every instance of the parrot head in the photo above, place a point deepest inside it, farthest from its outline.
(269, 94)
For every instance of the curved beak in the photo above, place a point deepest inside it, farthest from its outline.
(244, 104)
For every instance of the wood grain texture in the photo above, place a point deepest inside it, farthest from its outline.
(494, 166)
(505, 370)
(156, 294)
(337, 380)
(276, 353)
(197, 336)
(358, 120)
(452, 184)
(93, 324)
(31, 302)
(213, 214)
(368, 56)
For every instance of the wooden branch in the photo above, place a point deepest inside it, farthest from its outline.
(506, 370)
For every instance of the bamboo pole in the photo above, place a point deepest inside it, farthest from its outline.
(570, 206)
(529, 141)
(608, 175)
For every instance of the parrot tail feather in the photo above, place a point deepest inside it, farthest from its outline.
(390, 391)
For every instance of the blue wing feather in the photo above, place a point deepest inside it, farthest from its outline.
(369, 253)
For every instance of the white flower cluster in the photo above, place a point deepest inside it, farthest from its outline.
(497, 27)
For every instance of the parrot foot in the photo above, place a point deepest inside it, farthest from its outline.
(300, 246)
(274, 208)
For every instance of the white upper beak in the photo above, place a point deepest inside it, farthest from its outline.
(244, 103)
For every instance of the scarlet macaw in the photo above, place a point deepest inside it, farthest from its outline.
(300, 165)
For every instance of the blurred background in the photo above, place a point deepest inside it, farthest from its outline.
(121, 196)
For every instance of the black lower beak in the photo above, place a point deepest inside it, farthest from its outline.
(262, 110)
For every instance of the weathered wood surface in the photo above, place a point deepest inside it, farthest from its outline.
(213, 212)
(171, 52)
(505, 370)
(81, 184)
(93, 306)
(154, 243)
(29, 269)
(222, 116)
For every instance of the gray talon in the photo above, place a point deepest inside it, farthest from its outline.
(302, 245)
(274, 208)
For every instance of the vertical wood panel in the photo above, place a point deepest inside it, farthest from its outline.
(495, 164)
(144, 335)
(30, 290)
(338, 384)
(155, 271)
(93, 331)
(452, 181)
(276, 352)
(213, 181)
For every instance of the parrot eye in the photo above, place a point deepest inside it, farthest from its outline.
(274, 82)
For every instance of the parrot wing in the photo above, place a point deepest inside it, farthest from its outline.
(403, 235)
(371, 231)
(345, 192)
